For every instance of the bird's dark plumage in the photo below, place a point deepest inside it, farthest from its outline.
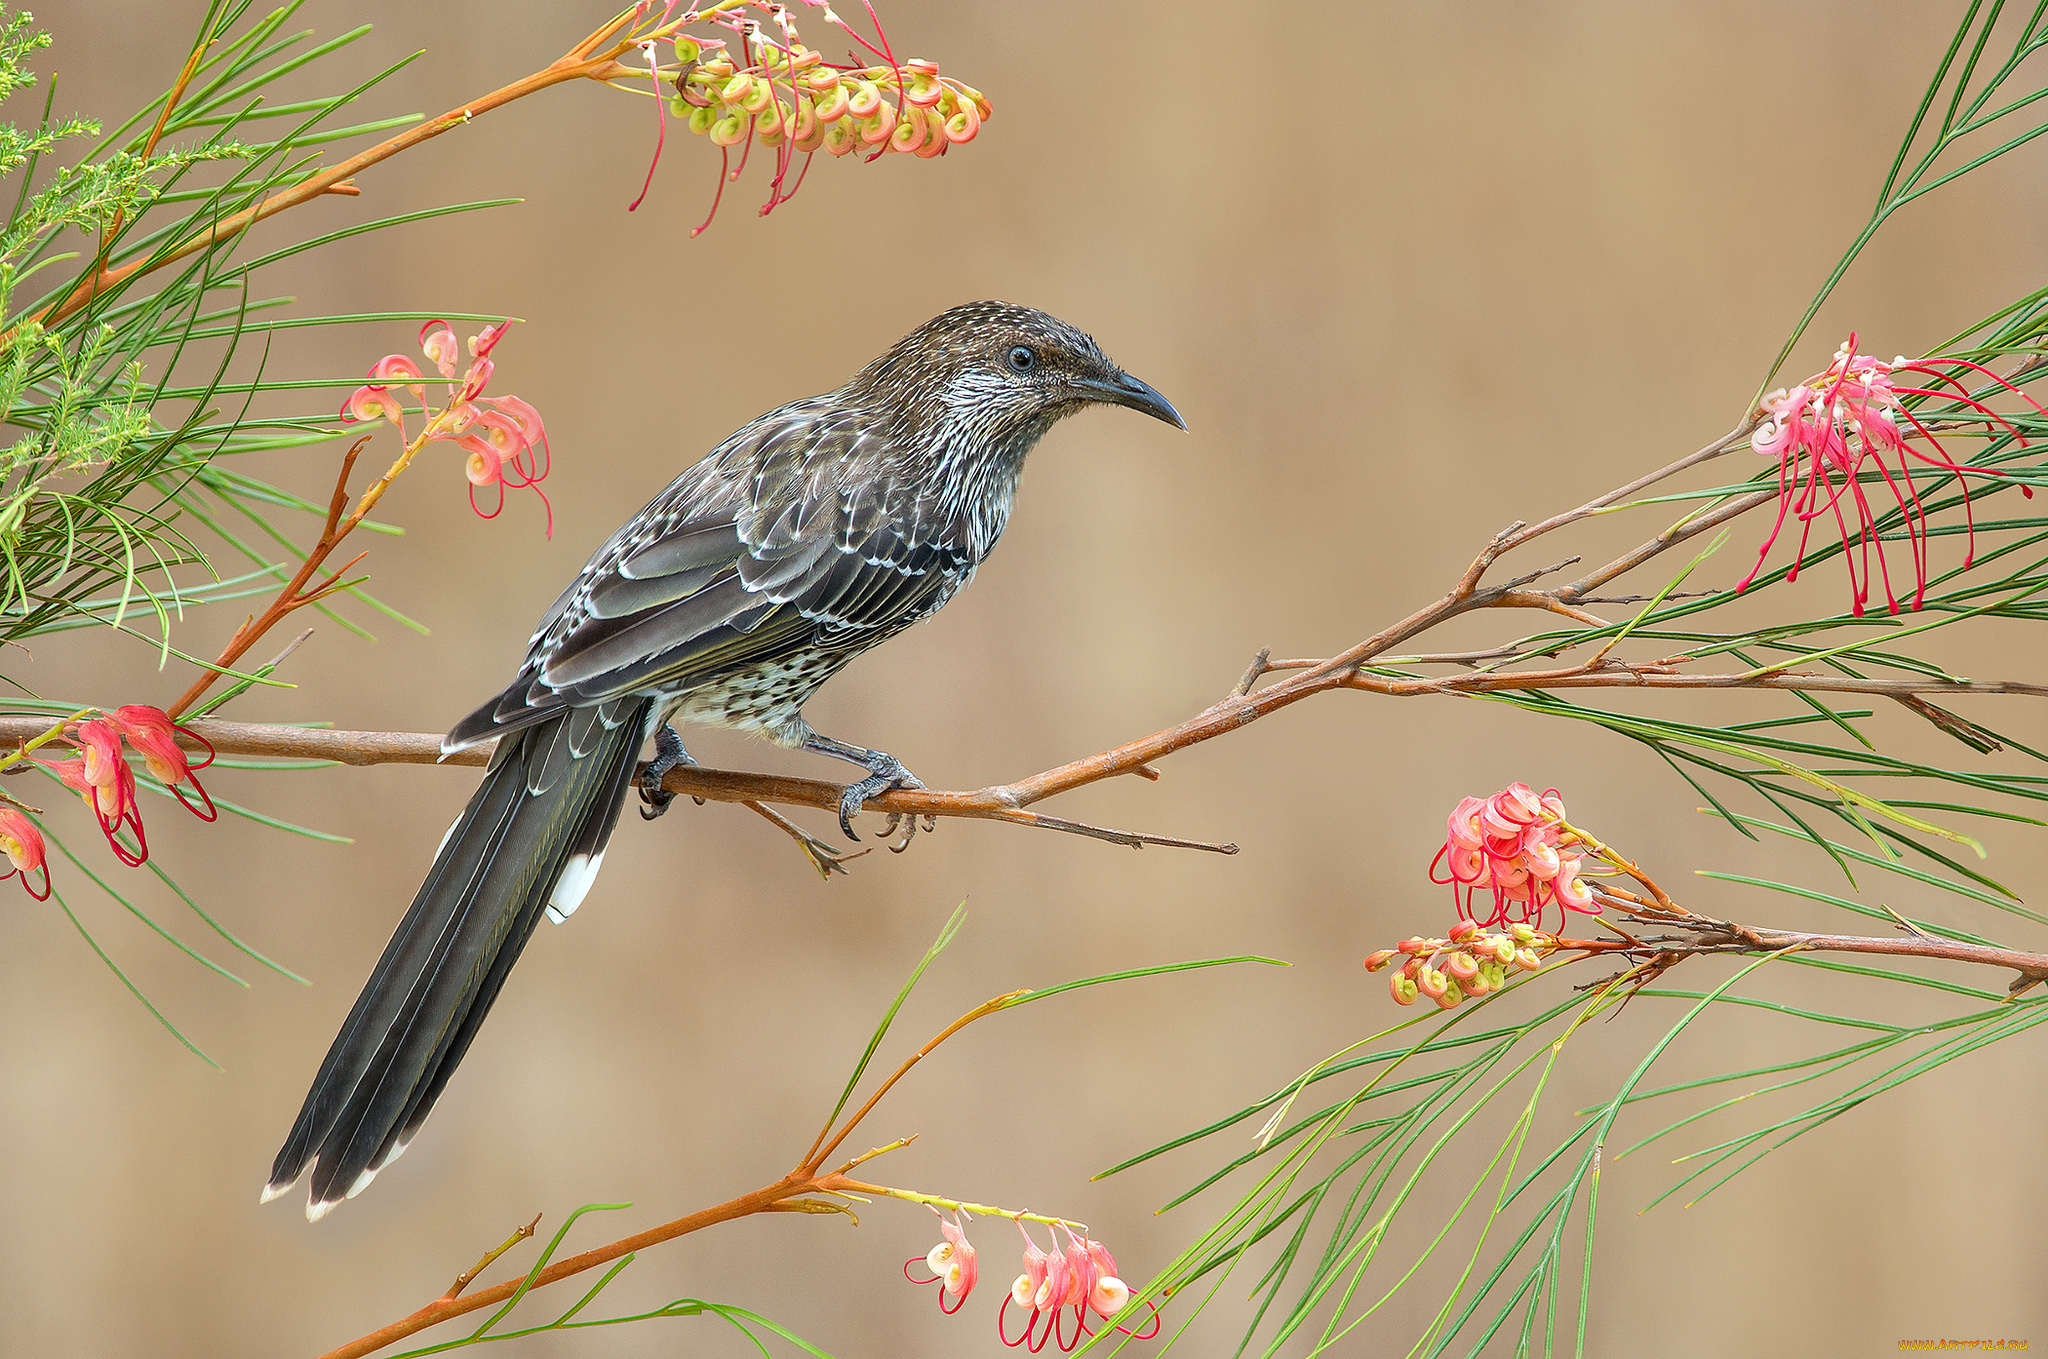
(810, 535)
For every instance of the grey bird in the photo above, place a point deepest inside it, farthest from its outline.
(813, 533)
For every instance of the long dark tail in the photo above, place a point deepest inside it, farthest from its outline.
(530, 840)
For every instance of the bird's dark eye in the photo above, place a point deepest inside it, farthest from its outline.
(1022, 360)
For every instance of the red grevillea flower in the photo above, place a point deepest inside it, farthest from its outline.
(23, 845)
(504, 437)
(1833, 429)
(101, 776)
(1510, 843)
(155, 737)
(951, 1262)
(1081, 1278)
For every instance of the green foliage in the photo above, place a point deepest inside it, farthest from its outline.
(1445, 1138)
(125, 392)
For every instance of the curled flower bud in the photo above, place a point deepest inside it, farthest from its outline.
(842, 137)
(1375, 961)
(908, 134)
(865, 99)
(1463, 930)
(437, 342)
(373, 403)
(730, 129)
(832, 104)
(484, 466)
(963, 126)
(395, 368)
(1402, 988)
(951, 1262)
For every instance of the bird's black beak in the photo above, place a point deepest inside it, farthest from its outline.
(1125, 390)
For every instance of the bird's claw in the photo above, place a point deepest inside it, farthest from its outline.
(910, 828)
(885, 773)
(668, 754)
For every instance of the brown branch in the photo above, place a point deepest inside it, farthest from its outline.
(1695, 935)
(1702, 935)
(1008, 802)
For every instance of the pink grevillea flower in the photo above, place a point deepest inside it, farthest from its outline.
(503, 436)
(23, 845)
(951, 1262)
(1509, 844)
(1081, 1278)
(1471, 962)
(155, 737)
(101, 776)
(1838, 427)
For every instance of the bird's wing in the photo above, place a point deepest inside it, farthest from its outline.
(781, 542)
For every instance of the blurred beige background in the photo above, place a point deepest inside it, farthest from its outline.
(1411, 271)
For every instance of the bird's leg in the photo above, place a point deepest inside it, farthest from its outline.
(668, 754)
(885, 771)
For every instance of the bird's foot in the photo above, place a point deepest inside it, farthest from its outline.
(668, 754)
(884, 772)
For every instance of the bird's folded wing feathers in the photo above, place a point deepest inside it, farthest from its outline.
(688, 592)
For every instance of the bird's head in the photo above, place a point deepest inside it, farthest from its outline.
(1000, 374)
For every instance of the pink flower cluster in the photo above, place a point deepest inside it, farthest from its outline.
(1844, 422)
(101, 775)
(1510, 844)
(1469, 963)
(504, 437)
(1081, 1277)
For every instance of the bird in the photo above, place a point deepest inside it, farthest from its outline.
(810, 535)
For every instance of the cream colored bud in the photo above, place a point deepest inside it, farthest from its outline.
(1109, 1296)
